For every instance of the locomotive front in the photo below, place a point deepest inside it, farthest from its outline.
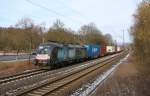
(43, 54)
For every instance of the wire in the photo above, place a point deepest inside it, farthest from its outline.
(50, 10)
(79, 13)
(75, 11)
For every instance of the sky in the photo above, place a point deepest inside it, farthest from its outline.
(110, 16)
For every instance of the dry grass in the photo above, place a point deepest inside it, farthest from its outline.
(125, 81)
(8, 68)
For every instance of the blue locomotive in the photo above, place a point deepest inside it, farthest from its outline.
(56, 54)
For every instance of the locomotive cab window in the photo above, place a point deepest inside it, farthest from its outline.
(44, 50)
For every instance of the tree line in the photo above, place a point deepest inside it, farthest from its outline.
(26, 35)
(141, 34)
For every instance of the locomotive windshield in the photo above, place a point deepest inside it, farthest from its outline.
(43, 49)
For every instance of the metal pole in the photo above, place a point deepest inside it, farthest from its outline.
(123, 39)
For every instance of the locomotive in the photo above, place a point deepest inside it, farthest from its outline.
(53, 54)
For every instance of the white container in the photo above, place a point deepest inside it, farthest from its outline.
(110, 49)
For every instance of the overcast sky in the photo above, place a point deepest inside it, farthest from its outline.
(110, 16)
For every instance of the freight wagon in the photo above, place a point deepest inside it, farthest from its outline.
(54, 54)
(93, 51)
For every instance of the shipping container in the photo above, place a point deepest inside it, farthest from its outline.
(93, 51)
(110, 49)
(102, 50)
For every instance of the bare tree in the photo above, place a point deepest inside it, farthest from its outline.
(91, 34)
(141, 34)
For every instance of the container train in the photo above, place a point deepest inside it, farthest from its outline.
(53, 54)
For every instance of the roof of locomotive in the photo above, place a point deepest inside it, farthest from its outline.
(51, 44)
(75, 46)
(61, 45)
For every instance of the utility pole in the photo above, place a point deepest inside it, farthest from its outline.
(123, 39)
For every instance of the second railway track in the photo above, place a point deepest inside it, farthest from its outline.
(20, 75)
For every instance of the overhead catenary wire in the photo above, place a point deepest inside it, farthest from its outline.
(52, 11)
(75, 11)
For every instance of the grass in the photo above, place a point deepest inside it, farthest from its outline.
(127, 80)
(9, 68)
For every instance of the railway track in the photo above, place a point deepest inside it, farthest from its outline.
(51, 86)
(35, 82)
(14, 81)
(20, 75)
